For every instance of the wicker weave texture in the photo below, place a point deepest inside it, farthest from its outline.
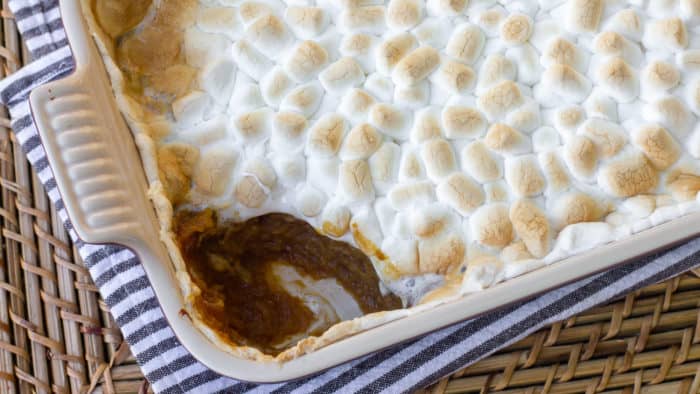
(56, 334)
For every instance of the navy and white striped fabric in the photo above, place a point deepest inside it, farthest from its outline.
(171, 369)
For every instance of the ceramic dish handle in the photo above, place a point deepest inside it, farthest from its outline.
(94, 159)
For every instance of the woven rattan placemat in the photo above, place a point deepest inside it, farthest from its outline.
(56, 333)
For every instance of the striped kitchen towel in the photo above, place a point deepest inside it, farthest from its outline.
(171, 369)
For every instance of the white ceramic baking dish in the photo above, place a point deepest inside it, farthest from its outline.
(99, 175)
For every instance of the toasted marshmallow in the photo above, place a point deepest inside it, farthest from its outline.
(366, 231)
(690, 10)
(689, 61)
(496, 192)
(304, 99)
(517, 251)
(524, 176)
(326, 136)
(496, 68)
(442, 254)
(220, 20)
(581, 156)
(412, 97)
(430, 221)
(391, 51)
(671, 113)
(466, 43)
(628, 176)
(608, 137)
(567, 83)
(269, 35)
(490, 225)
(213, 172)
(342, 75)
(658, 145)
(355, 181)
(426, 126)
(618, 80)
(516, 29)
(416, 66)
(287, 131)
(306, 61)
(250, 11)
(402, 253)
(568, 118)
(369, 19)
(610, 43)
(455, 77)
(306, 22)
(411, 167)
(562, 51)
(692, 94)
(250, 60)
(250, 193)
(198, 47)
(527, 61)
(683, 186)
(356, 105)
(461, 193)
(361, 47)
(406, 196)
(262, 170)
(532, 226)
(666, 35)
(390, 120)
(384, 166)
(446, 7)
(526, 118)
(490, 20)
(309, 201)
(291, 168)
(361, 142)
(433, 32)
(189, 110)
(403, 14)
(599, 105)
(335, 220)
(505, 139)
(500, 100)
(480, 163)
(253, 126)
(462, 122)
(576, 207)
(627, 23)
(274, 86)
(439, 159)
(583, 16)
(554, 171)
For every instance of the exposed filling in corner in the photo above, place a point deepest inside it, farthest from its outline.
(273, 280)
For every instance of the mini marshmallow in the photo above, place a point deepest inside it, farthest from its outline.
(198, 47)
(446, 7)
(220, 20)
(426, 126)
(490, 20)
(213, 172)
(454, 77)
(369, 19)
(639, 206)
(335, 220)
(524, 176)
(287, 131)
(562, 51)
(381, 87)
(610, 43)
(291, 169)
(250, 11)
(516, 29)
(306, 61)
(526, 118)
(416, 66)
(365, 230)
(581, 156)
(583, 16)
(441, 255)
(692, 95)
(544, 139)
(390, 120)
(189, 110)
(342, 75)
(304, 99)
(253, 126)
(402, 253)
(412, 97)
(496, 68)
(554, 171)
(384, 166)
(274, 86)
(658, 145)
(628, 176)
(433, 32)
(461, 193)
(356, 105)
(480, 163)
(527, 60)
(392, 50)
(490, 225)
(250, 193)
(627, 23)
(269, 35)
(218, 79)
(567, 83)
(609, 138)
(360, 47)
(386, 214)
(462, 122)
(544, 32)
(361, 142)
(500, 100)
(411, 167)
(671, 113)
(262, 170)
(439, 158)
(532, 226)
(306, 22)
(599, 105)
(506, 140)
(430, 221)
(466, 43)
(250, 60)
(323, 173)
(403, 14)
(666, 35)
(618, 80)
(568, 118)
(406, 196)
(326, 136)
(684, 187)
(496, 192)
(576, 207)
(690, 10)
(355, 181)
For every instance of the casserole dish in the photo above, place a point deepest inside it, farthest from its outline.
(95, 162)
